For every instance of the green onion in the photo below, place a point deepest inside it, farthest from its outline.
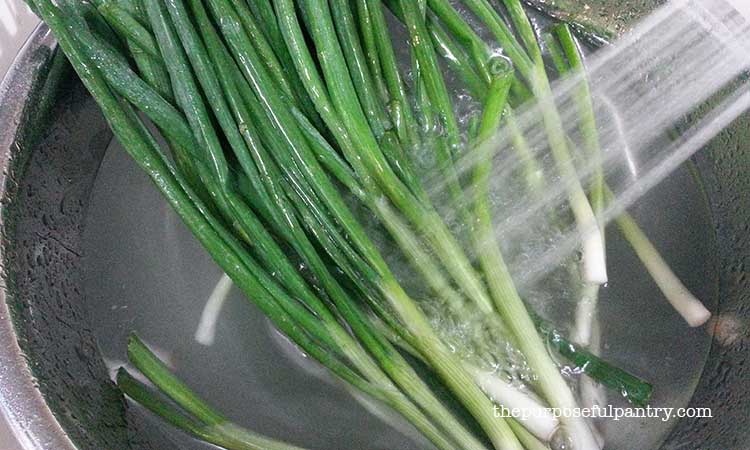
(295, 135)
(203, 422)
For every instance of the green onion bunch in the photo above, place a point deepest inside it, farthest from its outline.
(292, 133)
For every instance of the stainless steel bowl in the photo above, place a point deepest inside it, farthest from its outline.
(22, 402)
(54, 386)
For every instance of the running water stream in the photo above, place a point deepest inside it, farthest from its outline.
(643, 87)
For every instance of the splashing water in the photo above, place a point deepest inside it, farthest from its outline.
(646, 90)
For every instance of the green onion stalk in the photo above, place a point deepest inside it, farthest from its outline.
(506, 297)
(414, 390)
(526, 57)
(498, 277)
(568, 60)
(362, 151)
(532, 174)
(227, 250)
(694, 312)
(186, 410)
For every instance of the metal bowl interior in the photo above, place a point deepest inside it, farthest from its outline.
(55, 387)
(53, 383)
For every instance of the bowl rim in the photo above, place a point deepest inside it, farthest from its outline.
(31, 421)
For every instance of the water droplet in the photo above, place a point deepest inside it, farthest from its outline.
(560, 440)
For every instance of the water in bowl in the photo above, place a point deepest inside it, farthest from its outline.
(146, 273)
